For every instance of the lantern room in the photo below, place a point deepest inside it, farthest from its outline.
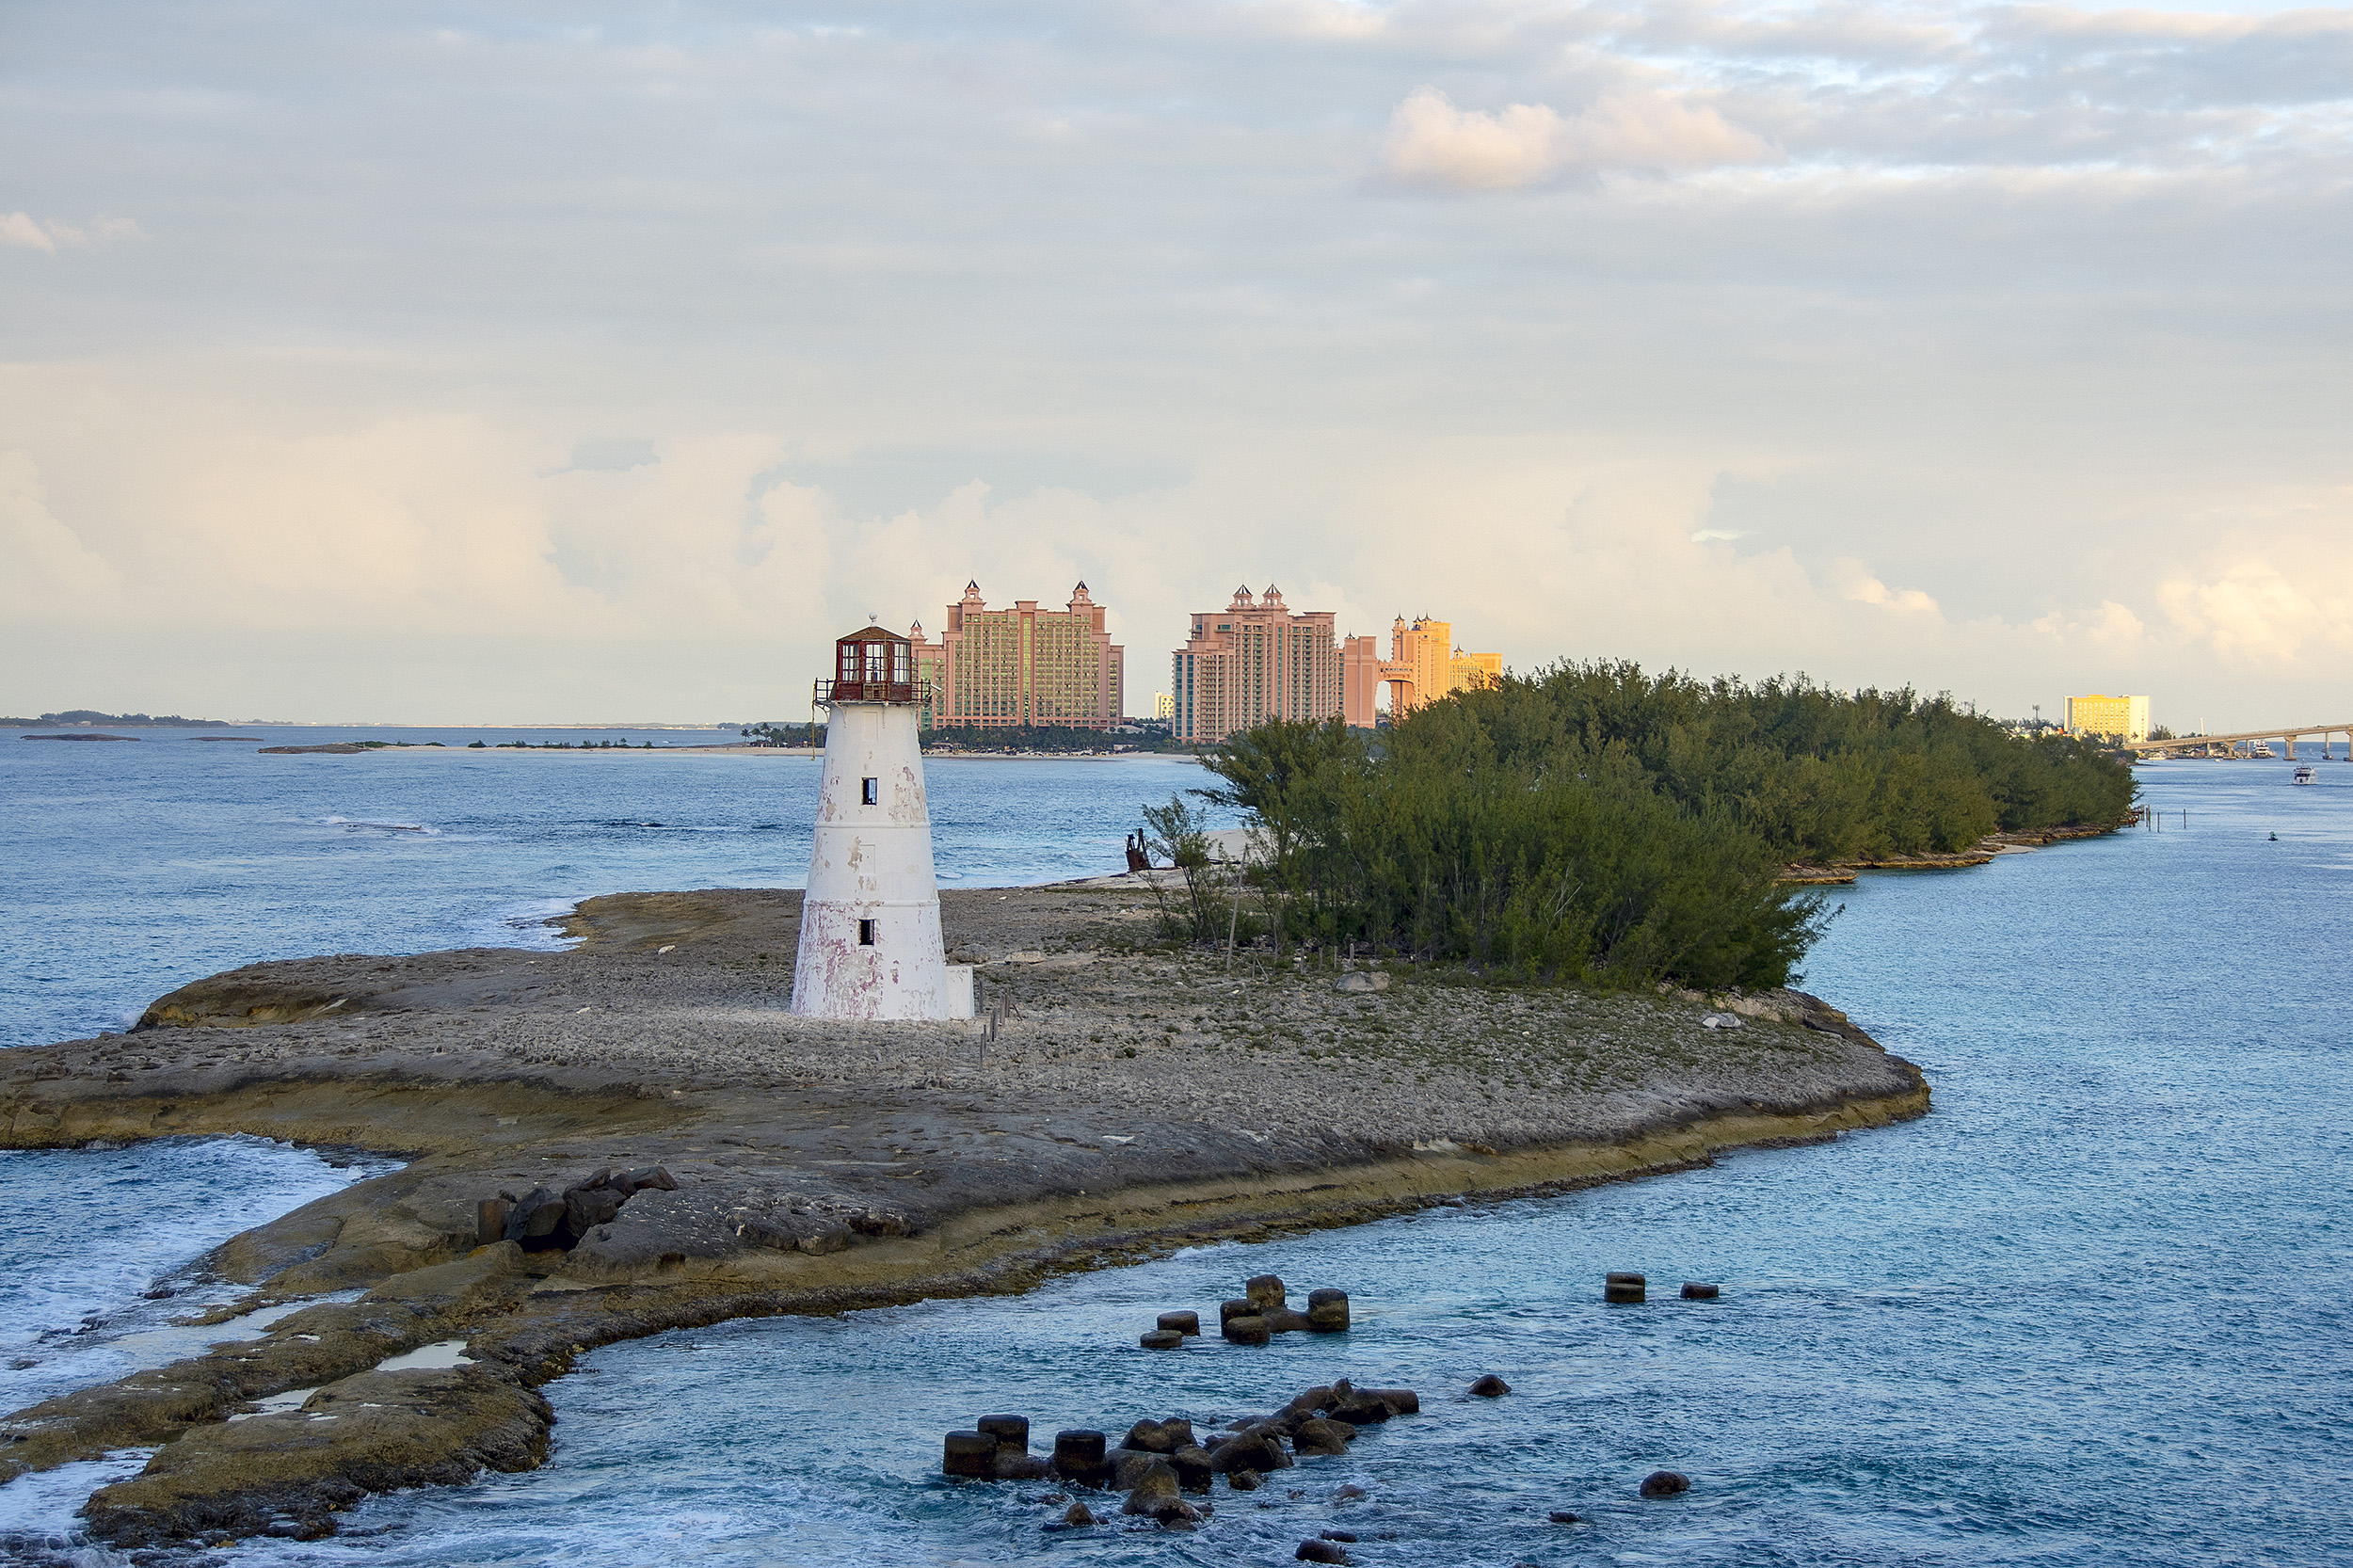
(871, 666)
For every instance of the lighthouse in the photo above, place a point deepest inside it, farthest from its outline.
(869, 918)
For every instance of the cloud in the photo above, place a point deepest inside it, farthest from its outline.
(2255, 613)
(51, 575)
(1432, 143)
(2111, 628)
(1857, 585)
(18, 228)
(30, 234)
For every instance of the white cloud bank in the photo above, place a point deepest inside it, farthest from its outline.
(498, 371)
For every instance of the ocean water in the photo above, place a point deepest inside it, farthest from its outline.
(136, 868)
(96, 1247)
(2092, 1310)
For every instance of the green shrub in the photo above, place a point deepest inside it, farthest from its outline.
(1597, 823)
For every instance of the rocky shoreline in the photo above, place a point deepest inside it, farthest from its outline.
(633, 1136)
(1982, 853)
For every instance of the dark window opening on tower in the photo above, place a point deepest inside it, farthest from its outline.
(866, 933)
(873, 792)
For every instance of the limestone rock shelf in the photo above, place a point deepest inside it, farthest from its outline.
(1136, 1101)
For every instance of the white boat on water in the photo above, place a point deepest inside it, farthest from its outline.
(2304, 775)
(2261, 748)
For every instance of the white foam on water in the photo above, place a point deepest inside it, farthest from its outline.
(532, 926)
(89, 1233)
(45, 1501)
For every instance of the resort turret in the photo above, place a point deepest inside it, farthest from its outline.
(869, 919)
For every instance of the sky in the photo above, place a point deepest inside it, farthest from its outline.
(534, 364)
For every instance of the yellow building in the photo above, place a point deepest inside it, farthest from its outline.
(1164, 705)
(1425, 652)
(1423, 666)
(1465, 671)
(2121, 717)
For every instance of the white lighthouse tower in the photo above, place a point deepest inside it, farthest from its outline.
(869, 919)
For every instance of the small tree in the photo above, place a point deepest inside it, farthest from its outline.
(1181, 835)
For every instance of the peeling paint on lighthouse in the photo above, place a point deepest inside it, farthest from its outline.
(869, 919)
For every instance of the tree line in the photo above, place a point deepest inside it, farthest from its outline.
(1597, 823)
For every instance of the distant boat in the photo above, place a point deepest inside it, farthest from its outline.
(2261, 748)
(2304, 775)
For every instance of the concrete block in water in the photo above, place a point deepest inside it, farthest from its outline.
(1079, 1458)
(971, 1454)
(1011, 1431)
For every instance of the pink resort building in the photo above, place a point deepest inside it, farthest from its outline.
(1023, 666)
(1255, 661)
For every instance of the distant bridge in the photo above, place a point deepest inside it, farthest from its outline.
(2289, 733)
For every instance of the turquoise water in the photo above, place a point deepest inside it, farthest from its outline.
(2092, 1310)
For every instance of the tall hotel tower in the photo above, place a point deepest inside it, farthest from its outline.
(1252, 662)
(1024, 665)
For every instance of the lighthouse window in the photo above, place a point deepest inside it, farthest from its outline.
(866, 933)
(873, 792)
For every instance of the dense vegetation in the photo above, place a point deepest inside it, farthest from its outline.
(1597, 823)
(92, 715)
(1037, 737)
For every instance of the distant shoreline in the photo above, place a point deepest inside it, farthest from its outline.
(746, 749)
